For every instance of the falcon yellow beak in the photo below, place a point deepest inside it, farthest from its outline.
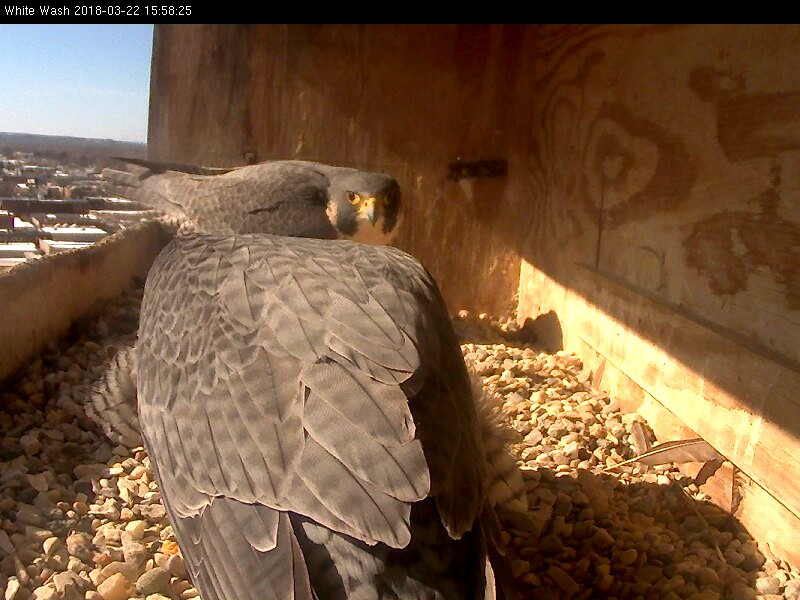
(367, 210)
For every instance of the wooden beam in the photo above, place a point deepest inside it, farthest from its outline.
(744, 403)
(19, 235)
(6, 220)
(26, 206)
(42, 299)
(629, 397)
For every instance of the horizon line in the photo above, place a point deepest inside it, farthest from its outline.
(74, 137)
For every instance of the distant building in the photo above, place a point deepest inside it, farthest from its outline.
(54, 192)
(37, 171)
(83, 189)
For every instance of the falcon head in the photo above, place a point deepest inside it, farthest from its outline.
(364, 207)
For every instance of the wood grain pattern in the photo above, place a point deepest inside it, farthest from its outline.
(679, 144)
(768, 520)
(628, 396)
(408, 100)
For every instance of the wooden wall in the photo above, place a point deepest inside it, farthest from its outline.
(666, 189)
(408, 100)
(42, 299)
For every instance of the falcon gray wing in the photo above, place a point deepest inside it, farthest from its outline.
(278, 197)
(319, 379)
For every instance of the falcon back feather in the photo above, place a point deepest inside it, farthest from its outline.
(318, 381)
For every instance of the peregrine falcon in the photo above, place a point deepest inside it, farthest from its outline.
(304, 401)
(282, 197)
(309, 418)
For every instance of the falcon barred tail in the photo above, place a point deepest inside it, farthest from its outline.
(112, 402)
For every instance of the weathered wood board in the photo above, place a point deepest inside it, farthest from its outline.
(667, 231)
(706, 395)
(667, 156)
(41, 300)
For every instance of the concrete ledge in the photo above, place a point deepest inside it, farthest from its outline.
(41, 300)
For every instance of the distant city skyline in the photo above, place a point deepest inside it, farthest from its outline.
(76, 80)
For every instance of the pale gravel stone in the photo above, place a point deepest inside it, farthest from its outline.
(30, 444)
(5, 543)
(130, 571)
(49, 545)
(154, 511)
(153, 581)
(116, 587)
(45, 592)
(12, 587)
(792, 590)
(38, 482)
(136, 529)
(741, 592)
(69, 584)
(176, 566)
(79, 545)
(134, 551)
(767, 585)
(563, 580)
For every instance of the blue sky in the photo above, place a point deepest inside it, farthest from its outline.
(78, 80)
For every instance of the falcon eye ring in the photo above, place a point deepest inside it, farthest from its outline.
(353, 198)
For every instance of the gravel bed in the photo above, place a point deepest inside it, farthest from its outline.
(643, 533)
(81, 518)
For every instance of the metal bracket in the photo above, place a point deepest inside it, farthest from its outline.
(478, 168)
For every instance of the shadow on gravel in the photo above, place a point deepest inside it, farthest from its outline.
(589, 535)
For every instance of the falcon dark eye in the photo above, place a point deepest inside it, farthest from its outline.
(353, 198)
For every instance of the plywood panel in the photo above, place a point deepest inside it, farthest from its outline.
(681, 144)
(404, 99)
(705, 379)
(652, 192)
